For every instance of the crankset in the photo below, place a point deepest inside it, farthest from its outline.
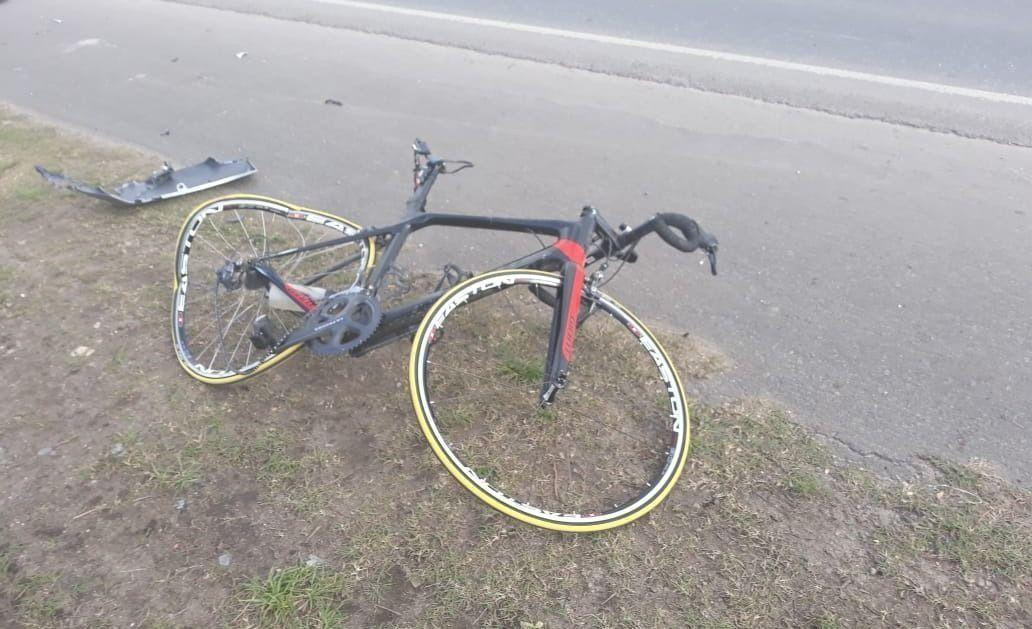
(341, 323)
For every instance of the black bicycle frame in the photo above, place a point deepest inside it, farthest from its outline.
(578, 244)
(568, 255)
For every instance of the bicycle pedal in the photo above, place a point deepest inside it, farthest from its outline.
(262, 333)
(452, 275)
(397, 283)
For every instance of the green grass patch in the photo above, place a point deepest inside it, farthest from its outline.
(954, 474)
(30, 192)
(826, 620)
(804, 484)
(523, 371)
(298, 596)
(453, 417)
(179, 473)
(545, 415)
(989, 532)
(38, 599)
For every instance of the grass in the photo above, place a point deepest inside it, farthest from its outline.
(988, 532)
(297, 596)
(524, 371)
(545, 415)
(954, 475)
(6, 280)
(826, 620)
(29, 192)
(273, 461)
(804, 484)
(7, 563)
(765, 528)
(457, 416)
(178, 472)
(39, 600)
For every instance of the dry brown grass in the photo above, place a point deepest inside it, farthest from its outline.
(322, 457)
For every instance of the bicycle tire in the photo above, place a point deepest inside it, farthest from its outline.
(577, 412)
(282, 224)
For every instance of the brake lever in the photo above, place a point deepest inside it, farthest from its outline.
(709, 244)
(711, 253)
(461, 163)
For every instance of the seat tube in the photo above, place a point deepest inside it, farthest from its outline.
(564, 320)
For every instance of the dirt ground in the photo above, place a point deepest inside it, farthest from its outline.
(133, 496)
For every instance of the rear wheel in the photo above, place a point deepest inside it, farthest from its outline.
(605, 453)
(222, 328)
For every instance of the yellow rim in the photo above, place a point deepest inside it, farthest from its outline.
(287, 353)
(487, 498)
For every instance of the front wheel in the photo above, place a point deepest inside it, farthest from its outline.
(605, 453)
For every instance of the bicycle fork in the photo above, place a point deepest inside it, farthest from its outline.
(565, 316)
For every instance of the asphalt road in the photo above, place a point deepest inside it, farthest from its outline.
(983, 44)
(875, 277)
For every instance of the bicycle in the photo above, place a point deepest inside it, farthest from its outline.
(492, 374)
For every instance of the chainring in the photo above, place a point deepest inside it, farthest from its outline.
(340, 323)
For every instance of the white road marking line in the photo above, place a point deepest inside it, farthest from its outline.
(939, 88)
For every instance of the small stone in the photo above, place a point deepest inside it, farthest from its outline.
(82, 351)
(47, 451)
(96, 326)
(225, 559)
(181, 506)
(314, 560)
(118, 450)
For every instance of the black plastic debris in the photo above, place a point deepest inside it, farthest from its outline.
(163, 184)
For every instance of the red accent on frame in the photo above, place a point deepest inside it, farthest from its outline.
(574, 253)
(301, 298)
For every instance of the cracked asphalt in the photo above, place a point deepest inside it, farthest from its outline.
(875, 274)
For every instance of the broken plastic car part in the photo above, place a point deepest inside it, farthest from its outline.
(163, 184)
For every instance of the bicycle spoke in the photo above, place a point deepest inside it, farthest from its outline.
(243, 227)
(280, 321)
(229, 361)
(247, 359)
(265, 234)
(608, 437)
(214, 333)
(222, 332)
(211, 246)
(213, 322)
(465, 372)
(469, 396)
(219, 234)
(308, 255)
